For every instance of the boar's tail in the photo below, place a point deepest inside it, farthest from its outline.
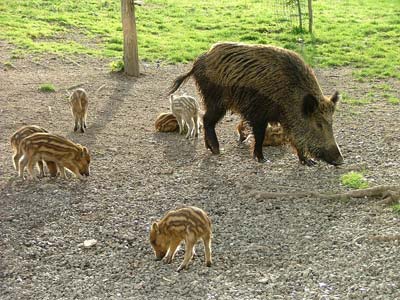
(180, 80)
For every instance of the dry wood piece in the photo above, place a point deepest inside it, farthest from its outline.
(390, 193)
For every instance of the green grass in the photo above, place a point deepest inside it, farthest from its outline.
(354, 180)
(396, 208)
(117, 66)
(47, 88)
(393, 100)
(361, 34)
(353, 101)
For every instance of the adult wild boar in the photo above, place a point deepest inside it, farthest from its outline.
(265, 84)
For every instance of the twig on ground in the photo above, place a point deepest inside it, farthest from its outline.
(100, 88)
(41, 65)
(72, 61)
(75, 86)
(390, 193)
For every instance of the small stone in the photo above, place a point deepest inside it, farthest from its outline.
(89, 243)
(263, 280)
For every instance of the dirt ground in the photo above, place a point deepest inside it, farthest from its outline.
(263, 248)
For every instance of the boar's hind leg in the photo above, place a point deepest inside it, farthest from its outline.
(259, 134)
(22, 164)
(76, 124)
(215, 110)
(16, 158)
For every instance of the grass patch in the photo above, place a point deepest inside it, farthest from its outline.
(352, 101)
(117, 66)
(393, 100)
(345, 34)
(47, 88)
(354, 180)
(396, 208)
(9, 65)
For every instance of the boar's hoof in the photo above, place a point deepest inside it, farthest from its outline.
(82, 130)
(308, 162)
(260, 158)
(168, 261)
(208, 264)
(181, 268)
(75, 128)
(214, 149)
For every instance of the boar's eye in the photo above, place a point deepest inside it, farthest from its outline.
(320, 125)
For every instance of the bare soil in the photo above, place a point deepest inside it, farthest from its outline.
(263, 248)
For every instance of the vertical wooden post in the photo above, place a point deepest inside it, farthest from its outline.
(310, 16)
(131, 57)
(300, 16)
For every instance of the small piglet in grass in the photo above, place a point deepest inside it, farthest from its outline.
(188, 224)
(78, 102)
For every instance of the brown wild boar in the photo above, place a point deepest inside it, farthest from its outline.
(49, 147)
(166, 122)
(189, 224)
(79, 105)
(16, 139)
(274, 134)
(265, 84)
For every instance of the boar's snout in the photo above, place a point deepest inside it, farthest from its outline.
(332, 156)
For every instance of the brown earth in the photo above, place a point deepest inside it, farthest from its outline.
(263, 248)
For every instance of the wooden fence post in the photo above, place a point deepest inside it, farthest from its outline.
(131, 57)
(310, 16)
(300, 16)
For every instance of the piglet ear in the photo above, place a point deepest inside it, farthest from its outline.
(154, 227)
(85, 151)
(310, 105)
(335, 97)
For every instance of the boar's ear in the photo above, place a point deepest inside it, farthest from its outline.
(85, 151)
(154, 227)
(335, 98)
(310, 105)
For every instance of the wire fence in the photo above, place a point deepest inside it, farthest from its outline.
(293, 13)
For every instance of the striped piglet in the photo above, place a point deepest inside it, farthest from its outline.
(186, 110)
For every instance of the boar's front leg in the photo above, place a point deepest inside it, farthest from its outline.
(190, 241)
(31, 167)
(171, 252)
(207, 249)
(41, 168)
(304, 160)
